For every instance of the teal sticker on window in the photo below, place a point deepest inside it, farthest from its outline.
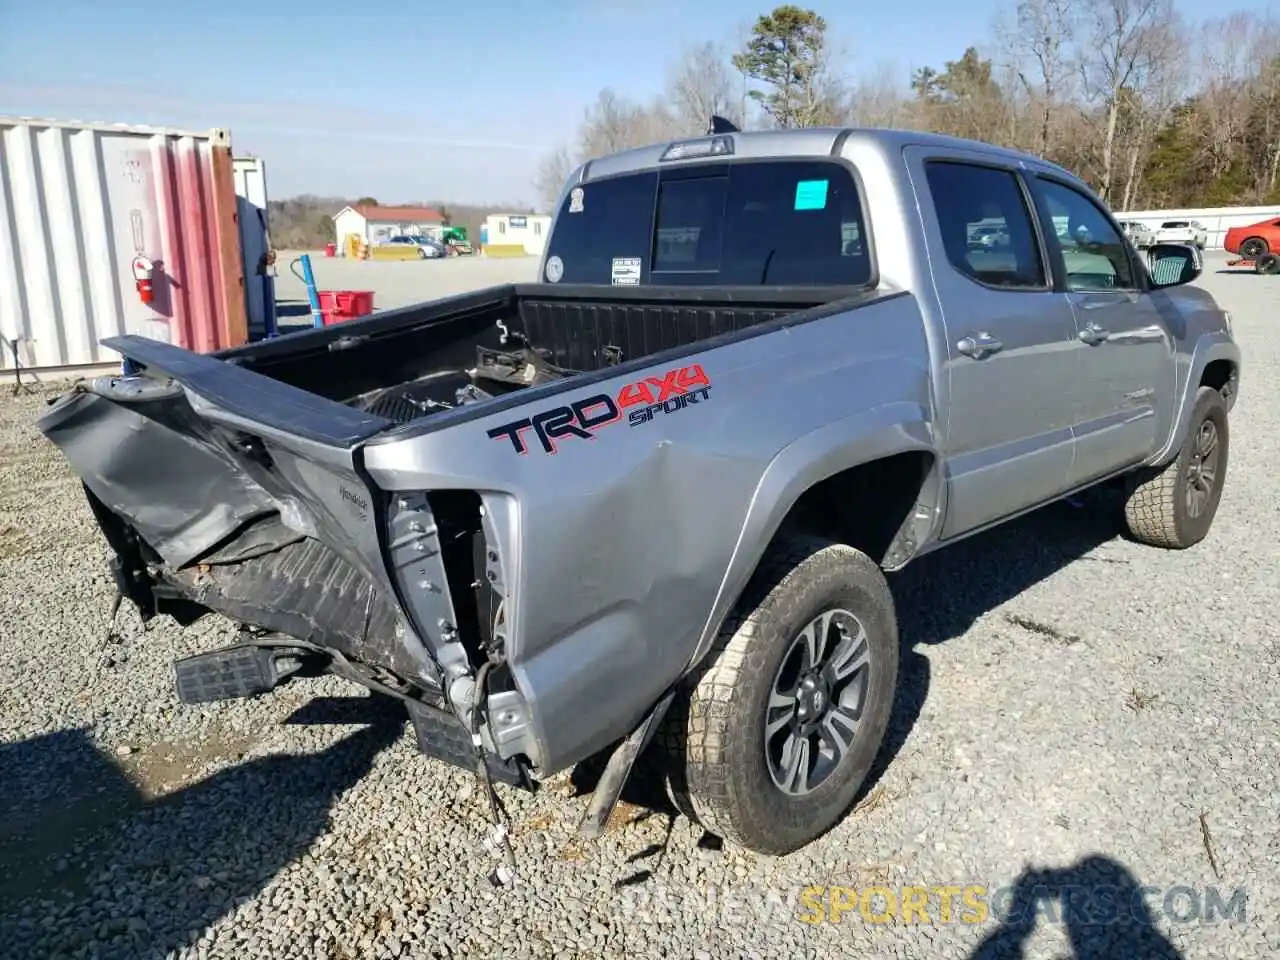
(811, 194)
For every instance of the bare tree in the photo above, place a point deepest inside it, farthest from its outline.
(700, 85)
(1119, 42)
(876, 99)
(1151, 104)
(1221, 68)
(610, 124)
(549, 179)
(1264, 58)
(1042, 56)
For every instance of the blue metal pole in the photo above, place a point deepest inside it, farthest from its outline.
(269, 307)
(309, 278)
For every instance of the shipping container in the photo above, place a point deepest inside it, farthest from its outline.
(255, 244)
(83, 206)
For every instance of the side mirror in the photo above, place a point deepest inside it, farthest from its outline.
(1173, 264)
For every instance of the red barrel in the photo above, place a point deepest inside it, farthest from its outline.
(330, 249)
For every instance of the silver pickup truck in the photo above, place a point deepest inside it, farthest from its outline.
(648, 503)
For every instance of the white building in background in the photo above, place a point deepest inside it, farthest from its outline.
(529, 230)
(379, 224)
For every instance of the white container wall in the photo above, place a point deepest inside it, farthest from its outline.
(78, 203)
(1215, 220)
(250, 175)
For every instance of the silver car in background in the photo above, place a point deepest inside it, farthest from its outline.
(1137, 231)
(428, 247)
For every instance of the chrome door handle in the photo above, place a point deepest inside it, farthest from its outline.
(1093, 334)
(979, 345)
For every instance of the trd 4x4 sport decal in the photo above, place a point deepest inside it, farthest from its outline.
(646, 399)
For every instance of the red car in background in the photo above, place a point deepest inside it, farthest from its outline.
(1254, 239)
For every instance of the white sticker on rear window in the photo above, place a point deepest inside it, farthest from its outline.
(626, 271)
(555, 269)
(575, 200)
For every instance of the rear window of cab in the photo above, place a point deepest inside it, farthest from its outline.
(741, 223)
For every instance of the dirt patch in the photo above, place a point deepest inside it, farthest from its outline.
(12, 541)
(164, 766)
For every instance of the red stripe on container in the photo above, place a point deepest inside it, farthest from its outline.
(171, 248)
(194, 223)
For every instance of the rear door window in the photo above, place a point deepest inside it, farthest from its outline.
(746, 223)
(985, 224)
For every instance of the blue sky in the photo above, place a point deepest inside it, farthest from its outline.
(407, 100)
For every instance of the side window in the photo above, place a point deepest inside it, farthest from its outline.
(986, 227)
(1094, 256)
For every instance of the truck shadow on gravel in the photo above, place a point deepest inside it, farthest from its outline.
(939, 598)
(92, 868)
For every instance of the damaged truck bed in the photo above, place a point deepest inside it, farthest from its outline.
(238, 483)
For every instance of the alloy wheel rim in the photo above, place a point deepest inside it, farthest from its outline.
(817, 701)
(1202, 471)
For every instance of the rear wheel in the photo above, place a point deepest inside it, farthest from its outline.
(1174, 506)
(1254, 247)
(768, 745)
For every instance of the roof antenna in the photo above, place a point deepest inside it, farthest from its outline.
(720, 125)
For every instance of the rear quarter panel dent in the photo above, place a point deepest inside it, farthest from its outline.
(861, 438)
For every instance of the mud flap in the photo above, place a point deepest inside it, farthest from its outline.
(442, 736)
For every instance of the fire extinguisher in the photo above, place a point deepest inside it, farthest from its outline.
(142, 277)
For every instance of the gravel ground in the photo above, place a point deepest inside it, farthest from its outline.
(1073, 704)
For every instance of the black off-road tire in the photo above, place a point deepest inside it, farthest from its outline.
(1254, 247)
(712, 743)
(1266, 263)
(1156, 510)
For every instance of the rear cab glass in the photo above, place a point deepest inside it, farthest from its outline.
(736, 223)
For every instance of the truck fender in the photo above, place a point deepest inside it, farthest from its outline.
(859, 438)
(1216, 345)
